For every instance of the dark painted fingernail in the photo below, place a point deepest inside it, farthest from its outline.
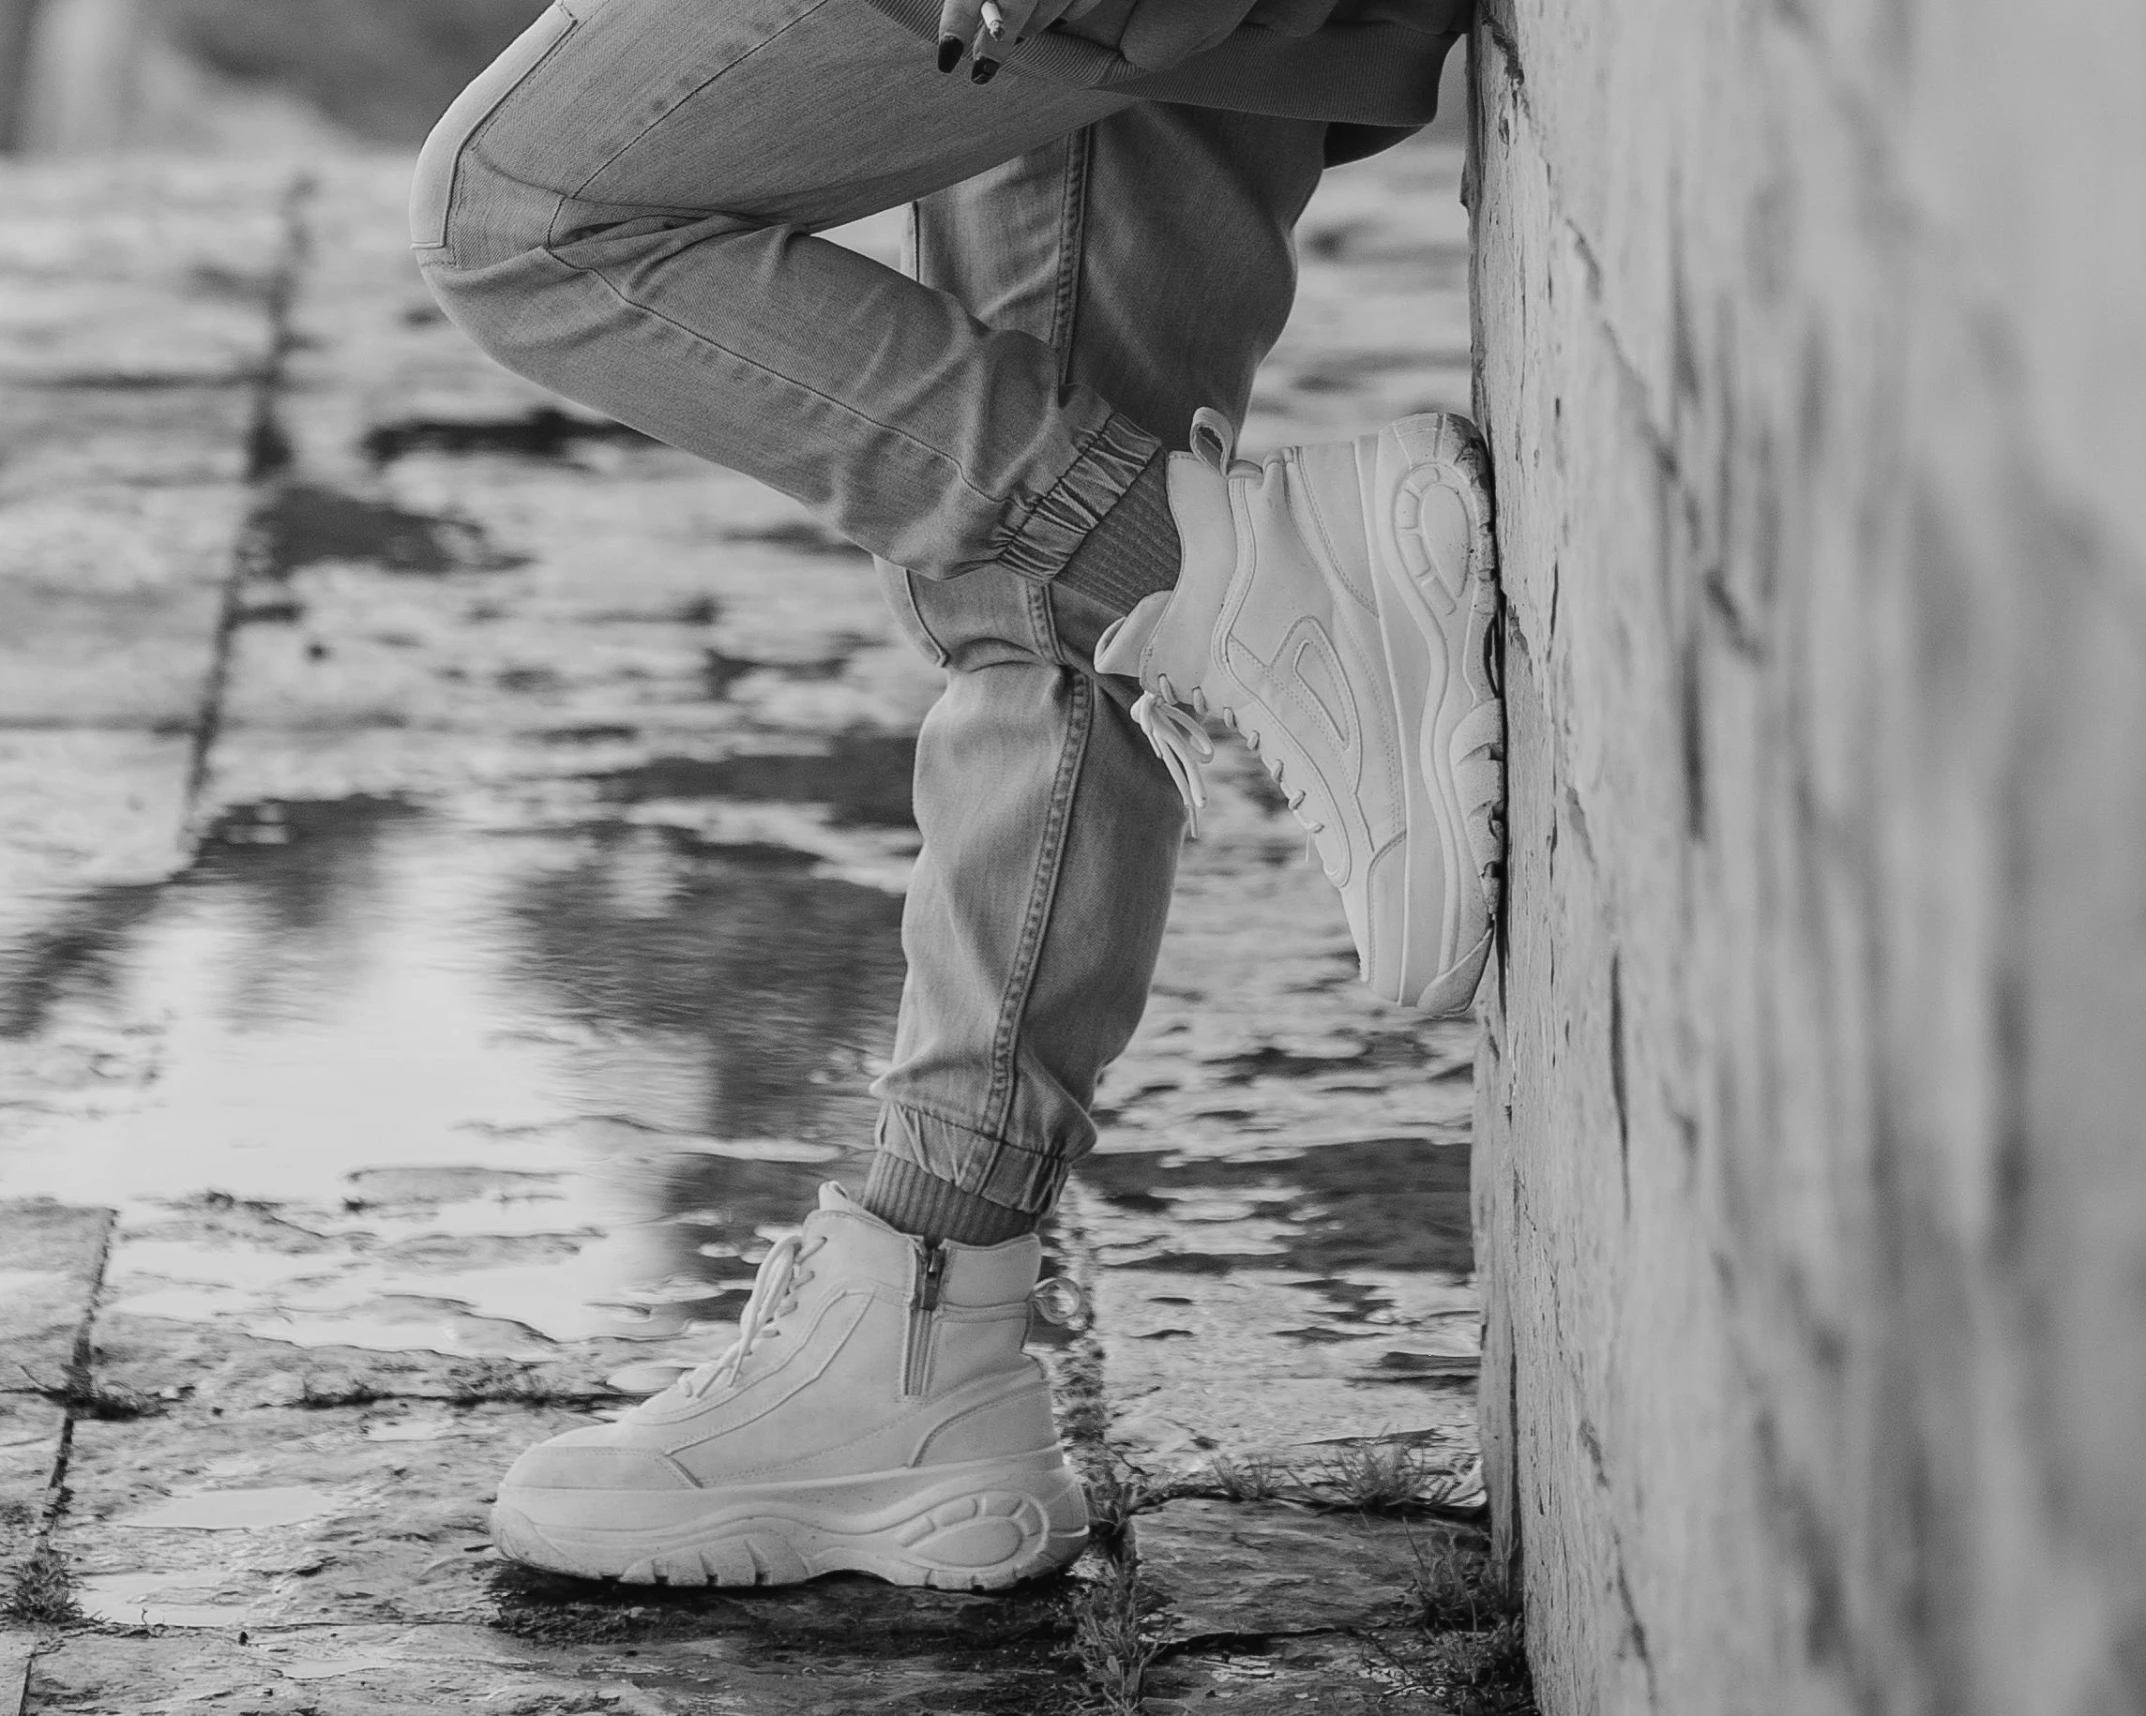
(949, 52)
(983, 71)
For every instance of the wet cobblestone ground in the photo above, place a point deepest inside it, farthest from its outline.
(450, 866)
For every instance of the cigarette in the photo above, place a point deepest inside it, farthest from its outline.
(994, 19)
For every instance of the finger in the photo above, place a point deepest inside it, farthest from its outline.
(1014, 20)
(960, 22)
(1000, 26)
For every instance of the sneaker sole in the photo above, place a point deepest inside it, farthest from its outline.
(1448, 594)
(979, 1526)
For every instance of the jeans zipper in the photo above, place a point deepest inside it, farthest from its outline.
(923, 1301)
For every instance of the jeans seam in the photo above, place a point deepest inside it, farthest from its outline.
(1037, 1167)
(758, 368)
(713, 77)
(470, 138)
(1028, 952)
(1065, 322)
(994, 1136)
(1072, 240)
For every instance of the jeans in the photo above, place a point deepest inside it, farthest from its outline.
(623, 207)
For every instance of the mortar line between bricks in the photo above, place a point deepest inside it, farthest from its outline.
(268, 457)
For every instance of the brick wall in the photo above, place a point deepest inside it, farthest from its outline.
(1812, 1112)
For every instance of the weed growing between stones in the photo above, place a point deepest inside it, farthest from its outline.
(1112, 1637)
(41, 1592)
(1115, 1493)
(1477, 1661)
(319, 1395)
(1373, 1477)
(522, 1386)
(1257, 1477)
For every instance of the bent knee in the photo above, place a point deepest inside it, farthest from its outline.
(451, 183)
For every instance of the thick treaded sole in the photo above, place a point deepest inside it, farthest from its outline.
(1445, 585)
(978, 1526)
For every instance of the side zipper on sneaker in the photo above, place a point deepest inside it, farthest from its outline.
(923, 1301)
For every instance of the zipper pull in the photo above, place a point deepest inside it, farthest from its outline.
(923, 1300)
(931, 1275)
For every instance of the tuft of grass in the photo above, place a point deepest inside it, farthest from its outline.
(1256, 1477)
(320, 1395)
(521, 1385)
(1115, 1493)
(41, 1591)
(1373, 1477)
(1478, 1661)
(1112, 1636)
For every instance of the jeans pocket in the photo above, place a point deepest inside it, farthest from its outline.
(432, 194)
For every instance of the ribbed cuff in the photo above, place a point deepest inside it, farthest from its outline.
(1055, 527)
(1134, 551)
(913, 1202)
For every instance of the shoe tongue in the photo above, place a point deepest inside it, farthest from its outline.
(1119, 649)
(833, 1197)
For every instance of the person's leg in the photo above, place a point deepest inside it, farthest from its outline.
(1152, 252)
(623, 207)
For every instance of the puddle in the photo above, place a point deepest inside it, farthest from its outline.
(304, 526)
(803, 536)
(491, 1084)
(422, 1429)
(235, 1510)
(545, 433)
(863, 779)
(645, 1378)
(450, 1083)
(1395, 1204)
(151, 1600)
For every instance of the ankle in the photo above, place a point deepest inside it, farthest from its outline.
(1133, 551)
(911, 1201)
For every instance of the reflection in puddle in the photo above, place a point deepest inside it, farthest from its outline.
(235, 1510)
(152, 1600)
(450, 1085)
(1347, 1216)
(482, 1088)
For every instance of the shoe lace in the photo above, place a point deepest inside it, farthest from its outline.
(1183, 745)
(1177, 737)
(774, 1295)
(1180, 741)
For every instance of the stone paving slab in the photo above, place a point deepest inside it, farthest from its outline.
(138, 273)
(111, 601)
(1234, 1570)
(51, 1256)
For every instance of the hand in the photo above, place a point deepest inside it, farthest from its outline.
(988, 28)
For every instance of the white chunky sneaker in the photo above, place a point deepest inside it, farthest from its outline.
(876, 1415)
(1337, 607)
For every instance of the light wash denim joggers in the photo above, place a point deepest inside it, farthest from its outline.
(622, 207)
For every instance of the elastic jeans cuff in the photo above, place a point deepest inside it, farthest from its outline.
(1059, 523)
(1013, 1175)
